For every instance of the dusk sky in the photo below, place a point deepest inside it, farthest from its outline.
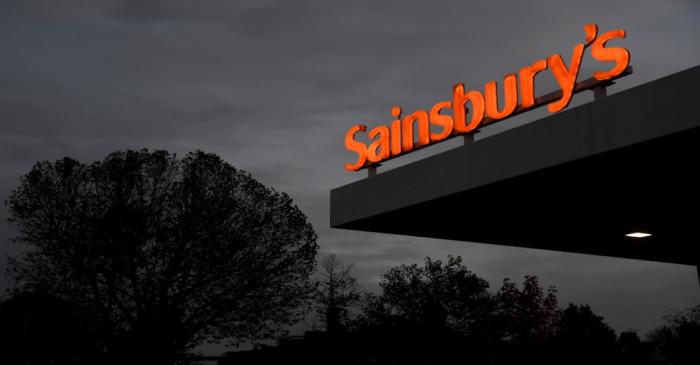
(272, 87)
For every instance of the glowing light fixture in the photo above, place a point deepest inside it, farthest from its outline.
(638, 234)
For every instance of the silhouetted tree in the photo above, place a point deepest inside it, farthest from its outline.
(438, 294)
(429, 314)
(632, 351)
(679, 336)
(528, 315)
(527, 320)
(583, 337)
(336, 292)
(628, 340)
(164, 252)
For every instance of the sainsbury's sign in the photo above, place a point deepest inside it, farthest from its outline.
(451, 118)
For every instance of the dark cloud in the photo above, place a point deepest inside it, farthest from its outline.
(271, 86)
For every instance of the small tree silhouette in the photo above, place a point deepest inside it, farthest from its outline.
(679, 336)
(164, 252)
(438, 294)
(336, 291)
(529, 315)
(429, 314)
(583, 337)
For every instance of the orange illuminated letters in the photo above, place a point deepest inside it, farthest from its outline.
(470, 110)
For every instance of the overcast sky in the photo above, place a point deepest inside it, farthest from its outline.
(272, 86)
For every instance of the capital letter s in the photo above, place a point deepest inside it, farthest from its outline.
(619, 55)
(358, 147)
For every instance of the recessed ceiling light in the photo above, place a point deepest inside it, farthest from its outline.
(638, 234)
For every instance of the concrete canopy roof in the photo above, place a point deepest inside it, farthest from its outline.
(575, 181)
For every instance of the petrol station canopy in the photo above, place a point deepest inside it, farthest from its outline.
(577, 181)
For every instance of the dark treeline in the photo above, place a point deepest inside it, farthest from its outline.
(433, 314)
(141, 257)
(442, 313)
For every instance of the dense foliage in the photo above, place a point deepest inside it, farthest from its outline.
(164, 252)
